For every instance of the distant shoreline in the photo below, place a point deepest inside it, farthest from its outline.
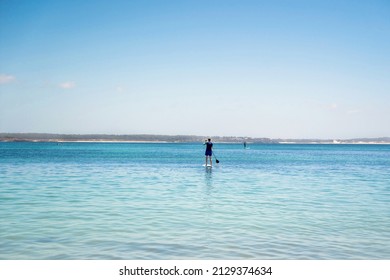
(150, 138)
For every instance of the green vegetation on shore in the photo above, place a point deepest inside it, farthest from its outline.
(46, 137)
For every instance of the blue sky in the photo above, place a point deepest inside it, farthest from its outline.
(279, 69)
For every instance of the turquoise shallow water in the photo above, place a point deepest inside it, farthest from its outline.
(157, 201)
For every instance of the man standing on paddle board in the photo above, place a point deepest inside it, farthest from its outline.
(209, 151)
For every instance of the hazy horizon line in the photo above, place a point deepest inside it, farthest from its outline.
(187, 135)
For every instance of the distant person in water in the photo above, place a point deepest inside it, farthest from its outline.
(244, 145)
(209, 151)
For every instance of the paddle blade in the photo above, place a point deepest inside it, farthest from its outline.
(217, 161)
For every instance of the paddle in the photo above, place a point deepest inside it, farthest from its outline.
(216, 160)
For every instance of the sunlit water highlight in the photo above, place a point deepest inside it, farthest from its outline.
(157, 201)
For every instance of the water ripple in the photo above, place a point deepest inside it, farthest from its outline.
(90, 201)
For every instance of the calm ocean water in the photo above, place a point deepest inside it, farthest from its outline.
(157, 201)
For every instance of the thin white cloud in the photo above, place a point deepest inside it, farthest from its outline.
(67, 85)
(5, 79)
(352, 112)
(330, 107)
(120, 89)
